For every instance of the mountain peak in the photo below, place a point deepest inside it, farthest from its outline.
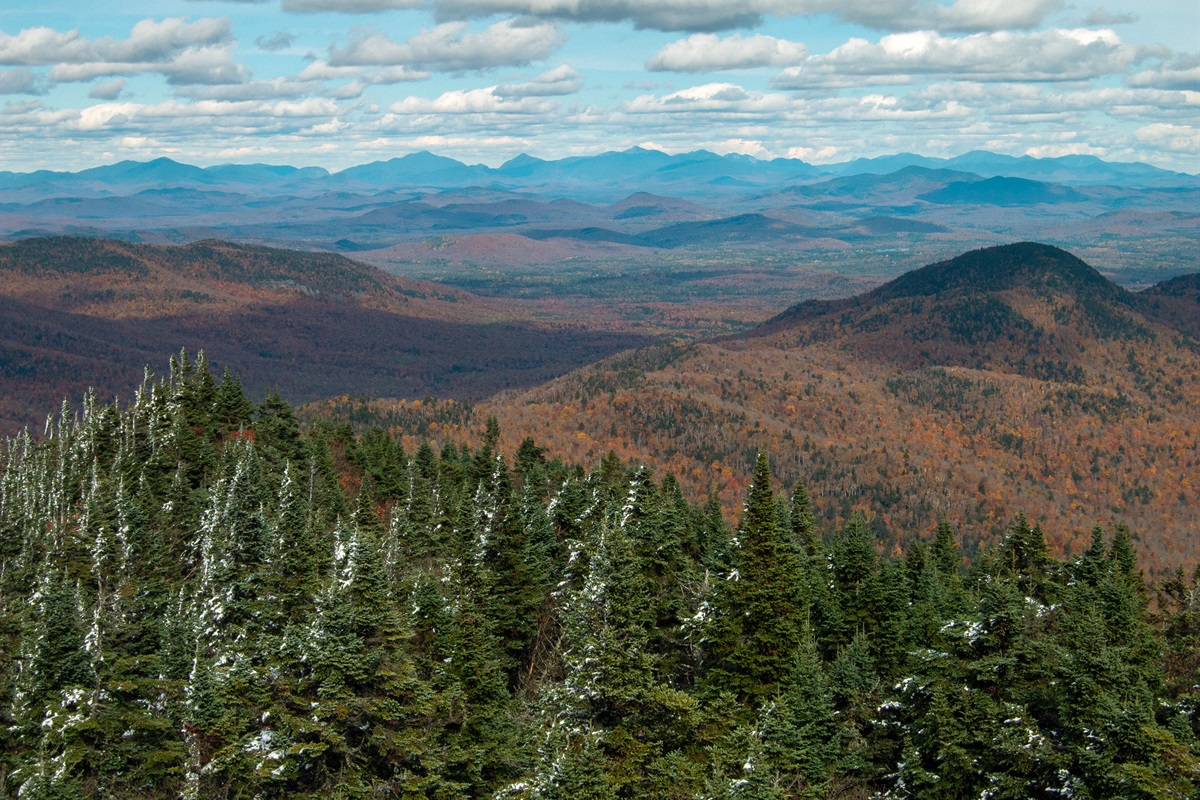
(968, 298)
(997, 269)
(522, 160)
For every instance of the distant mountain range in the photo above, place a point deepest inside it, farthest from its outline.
(686, 174)
(638, 211)
(639, 200)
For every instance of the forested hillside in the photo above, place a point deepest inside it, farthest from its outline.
(82, 312)
(1014, 374)
(199, 599)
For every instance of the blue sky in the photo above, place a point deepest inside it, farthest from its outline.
(341, 82)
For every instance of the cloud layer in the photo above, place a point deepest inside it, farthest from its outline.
(719, 15)
(325, 81)
(704, 52)
(1052, 55)
(452, 47)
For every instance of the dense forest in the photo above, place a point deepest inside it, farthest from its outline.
(198, 598)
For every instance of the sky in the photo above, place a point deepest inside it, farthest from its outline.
(335, 83)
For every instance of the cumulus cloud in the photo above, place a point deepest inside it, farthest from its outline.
(986, 15)
(1052, 55)
(472, 101)
(1177, 138)
(186, 52)
(449, 47)
(1077, 109)
(670, 15)
(323, 71)
(348, 6)
(1059, 149)
(250, 90)
(148, 42)
(705, 52)
(711, 98)
(559, 81)
(171, 118)
(280, 40)
(107, 90)
(1181, 72)
(718, 15)
(21, 80)
(813, 155)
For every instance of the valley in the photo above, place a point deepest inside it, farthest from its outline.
(678, 311)
(80, 313)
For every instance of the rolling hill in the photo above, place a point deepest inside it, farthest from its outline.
(92, 312)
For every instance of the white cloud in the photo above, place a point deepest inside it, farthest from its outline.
(711, 98)
(717, 15)
(472, 101)
(451, 48)
(349, 6)
(814, 155)
(107, 90)
(744, 147)
(21, 80)
(1177, 138)
(672, 15)
(1057, 150)
(199, 65)
(1137, 103)
(482, 144)
(1051, 55)
(280, 40)
(987, 15)
(186, 52)
(1076, 109)
(171, 118)
(1181, 72)
(1102, 16)
(322, 71)
(561, 80)
(271, 89)
(148, 42)
(704, 52)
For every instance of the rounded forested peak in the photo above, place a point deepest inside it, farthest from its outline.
(1000, 268)
(72, 254)
(1043, 268)
(1179, 286)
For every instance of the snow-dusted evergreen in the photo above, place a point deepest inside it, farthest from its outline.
(199, 600)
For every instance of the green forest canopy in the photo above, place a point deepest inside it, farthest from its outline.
(199, 599)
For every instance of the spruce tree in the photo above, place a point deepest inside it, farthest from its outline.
(759, 611)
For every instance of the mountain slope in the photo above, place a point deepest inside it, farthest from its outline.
(1011, 378)
(90, 312)
(1003, 191)
(1175, 302)
(1015, 308)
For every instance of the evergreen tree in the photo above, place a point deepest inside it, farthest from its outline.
(802, 742)
(804, 522)
(192, 608)
(759, 607)
(231, 410)
(857, 592)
